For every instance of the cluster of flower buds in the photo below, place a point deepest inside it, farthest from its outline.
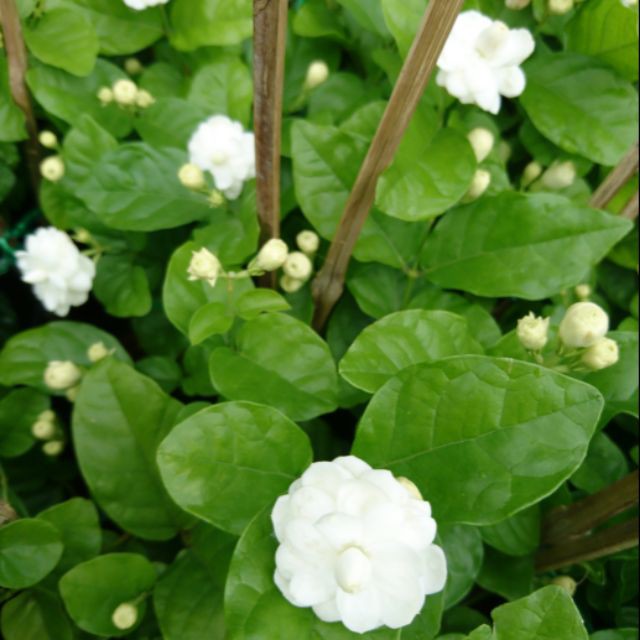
(44, 428)
(126, 94)
(482, 142)
(63, 375)
(98, 351)
(51, 168)
(560, 175)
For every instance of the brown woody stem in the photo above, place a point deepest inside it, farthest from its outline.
(630, 210)
(17, 64)
(432, 34)
(616, 179)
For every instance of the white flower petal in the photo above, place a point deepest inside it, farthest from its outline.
(434, 575)
(511, 81)
(327, 611)
(359, 612)
(341, 530)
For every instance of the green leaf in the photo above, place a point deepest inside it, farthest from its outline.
(26, 355)
(227, 463)
(65, 39)
(122, 286)
(137, 189)
(19, 409)
(165, 371)
(116, 437)
(607, 30)
(94, 589)
(464, 551)
(68, 97)
(518, 535)
(12, 127)
(581, 105)
(368, 13)
(615, 634)
(314, 19)
(279, 361)
(403, 19)
(252, 303)
(29, 551)
(35, 614)
(458, 428)
(604, 465)
(199, 23)
(209, 320)
(508, 576)
(427, 176)
(497, 246)
(546, 613)
(79, 527)
(403, 339)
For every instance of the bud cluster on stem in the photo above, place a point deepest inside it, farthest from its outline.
(126, 94)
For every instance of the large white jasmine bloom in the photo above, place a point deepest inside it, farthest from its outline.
(356, 545)
(480, 61)
(220, 145)
(61, 276)
(139, 5)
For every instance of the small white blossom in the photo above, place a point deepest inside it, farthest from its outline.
(48, 139)
(97, 351)
(601, 354)
(317, 74)
(356, 546)
(53, 448)
(533, 331)
(43, 429)
(559, 175)
(191, 176)
(482, 141)
(204, 266)
(125, 616)
(219, 145)
(560, 7)
(272, 255)
(480, 183)
(583, 324)
(52, 168)
(531, 172)
(308, 242)
(517, 5)
(61, 276)
(125, 92)
(298, 266)
(481, 61)
(61, 374)
(290, 285)
(139, 5)
(105, 95)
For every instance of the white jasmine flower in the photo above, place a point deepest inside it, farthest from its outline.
(601, 354)
(583, 324)
(272, 255)
(52, 168)
(61, 276)
(482, 141)
(105, 95)
(559, 175)
(583, 291)
(481, 61)
(191, 176)
(532, 331)
(317, 74)
(204, 266)
(53, 448)
(125, 616)
(61, 374)
(517, 5)
(97, 351)
(139, 5)
(48, 139)
(531, 172)
(308, 242)
(356, 546)
(290, 285)
(220, 146)
(480, 183)
(560, 7)
(298, 266)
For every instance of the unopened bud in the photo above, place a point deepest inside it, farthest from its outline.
(48, 139)
(567, 583)
(411, 488)
(61, 374)
(480, 183)
(290, 285)
(583, 291)
(97, 351)
(144, 99)
(83, 236)
(52, 168)
(72, 394)
(191, 176)
(517, 5)
(532, 331)
(125, 616)
(308, 242)
(216, 198)
(504, 151)
(482, 141)
(125, 92)
(298, 266)
(560, 7)
(105, 95)
(559, 175)
(43, 429)
(602, 354)
(583, 324)
(317, 74)
(204, 266)
(531, 172)
(53, 448)
(272, 255)
(133, 66)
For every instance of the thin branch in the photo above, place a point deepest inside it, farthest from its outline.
(616, 179)
(432, 34)
(630, 210)
(269, 38)
(17, 64)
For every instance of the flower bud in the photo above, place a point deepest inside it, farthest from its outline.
(47, 416)
(517, 5)
(480, 183)
(559, 175)
(317, 73)
(97, 351)
(504, 151)
(144, 99)
(567, 583)
(560, 7)
(353, 569)
(308, 242)
(83, 236)
(125, 616)
(298, 266)
(133, 66)
(48, 139)
(53, 448)
(290, 285)
(583, 291)
(533, 331)
(583, 324)
(125, 92)
(191, 176)
(204, 266)
(602, 354)
(492, 38)
(216, 198)
(61, 374)
(43, 429)
(411, 488)
(72, 394)
(52, 168)
(272, 255)
(105, 95)
(482, 141)
(531, 172)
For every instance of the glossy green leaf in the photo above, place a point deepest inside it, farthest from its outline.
(35, 614)
(403, 339)
(93, 590)
(604, 465)
(508, 576)
(498, 246)
(463, 425)
(252, 303)
(279, 361)
(368, 13)
(314, 19)
(228, 462)
(116, 437)
(12, 125)
(29, 551)
(518, 535)
(211, 319)
(403, 20)
(464, 551)
(19, 410)
(581, 105)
